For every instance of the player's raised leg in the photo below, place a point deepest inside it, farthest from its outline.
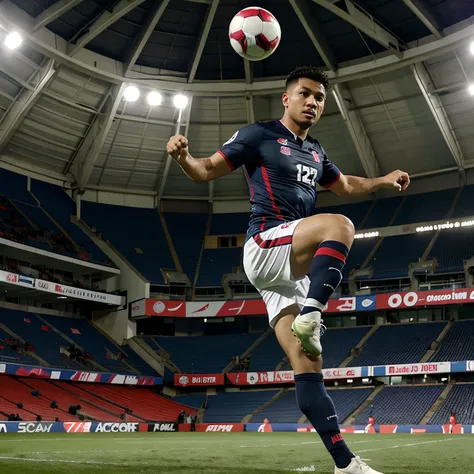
(320, 247)
(313, 399)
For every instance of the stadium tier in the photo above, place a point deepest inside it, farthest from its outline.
(140, 402)
(61, 207)
(101, 403)
(47, 334)
(458, 343)
(143, 244)
(188, 249)
(398, 344)
(233, 406)
(459, 400)
(205, 354)
(401, 405)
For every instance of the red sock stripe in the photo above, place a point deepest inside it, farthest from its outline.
(267, 244)
(330, 253)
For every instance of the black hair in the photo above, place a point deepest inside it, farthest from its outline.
(309, 72)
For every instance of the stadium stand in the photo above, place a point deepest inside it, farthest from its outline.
(205, 354)
(188, 248)
(355, 212)
(464, 205)
(143, 245)
(460, 400)
(398, 344)
(285, 409)
(142, 402)
(45, 341)
(401, 404)
(61, 207)
(194, 401)
(216, 263)
(382, 212)
(11, 350)
(104, 351)
(452, 248)
(233, 406)
(229, 224)
(458, 343)
(426, 207)
(394, 254)
(16, 391)
(339, 342)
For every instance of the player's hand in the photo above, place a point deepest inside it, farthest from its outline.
(178, 147)
(397, 179)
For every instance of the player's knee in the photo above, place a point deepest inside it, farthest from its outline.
(344, 227)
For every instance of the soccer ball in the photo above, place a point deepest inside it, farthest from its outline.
(254, 33)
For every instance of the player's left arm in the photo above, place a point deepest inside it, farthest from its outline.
(348, 185)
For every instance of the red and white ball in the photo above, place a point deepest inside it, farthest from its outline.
(254, 33)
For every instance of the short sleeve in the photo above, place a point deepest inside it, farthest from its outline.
(331, 173)
(243, 146)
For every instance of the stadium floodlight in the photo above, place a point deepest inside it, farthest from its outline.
(471, 89)
(154, 98)
(131, 94)
(180, 101)
(13, 40)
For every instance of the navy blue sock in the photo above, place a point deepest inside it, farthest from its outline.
(315, 403)
(325, 274)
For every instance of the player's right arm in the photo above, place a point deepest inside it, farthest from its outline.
(240, 149)
(197, 169)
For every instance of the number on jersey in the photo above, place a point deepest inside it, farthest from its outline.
(306, 174)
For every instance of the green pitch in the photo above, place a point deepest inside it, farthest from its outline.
(235, 453)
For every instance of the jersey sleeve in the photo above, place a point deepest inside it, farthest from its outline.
(331, 173)
(242, 147)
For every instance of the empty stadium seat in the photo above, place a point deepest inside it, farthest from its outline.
(103, 350)
(142, 401)
(216, 263)
(229, 224)
(187, 233)
(458, 343)
(61, 207)
(46, 342)
(382, 212)
(205, 354)
(337, 344)
(395, 253)
(401, 404)
(426, 207)
(355, 212)
(136, 233)
(233, 406)
(459, 400)
(398, 344)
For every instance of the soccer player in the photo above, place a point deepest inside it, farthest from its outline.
(286, 242)
(370, 424)
(452, 422)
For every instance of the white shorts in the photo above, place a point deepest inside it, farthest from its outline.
(268, 267)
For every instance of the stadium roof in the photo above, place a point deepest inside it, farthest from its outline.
(401, 70)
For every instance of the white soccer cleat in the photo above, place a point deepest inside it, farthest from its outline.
(357, 466)
(309, 328)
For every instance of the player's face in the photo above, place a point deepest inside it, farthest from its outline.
(304, 102)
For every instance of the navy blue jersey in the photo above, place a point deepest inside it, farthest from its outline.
(281, 171)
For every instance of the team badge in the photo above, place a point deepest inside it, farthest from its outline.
(282, 141)
(316, 157)
(285, 150)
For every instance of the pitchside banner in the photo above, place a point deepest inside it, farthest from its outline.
(198, 380)
(77, 375)
(287, 376)
(59, 289)
(219, 309)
